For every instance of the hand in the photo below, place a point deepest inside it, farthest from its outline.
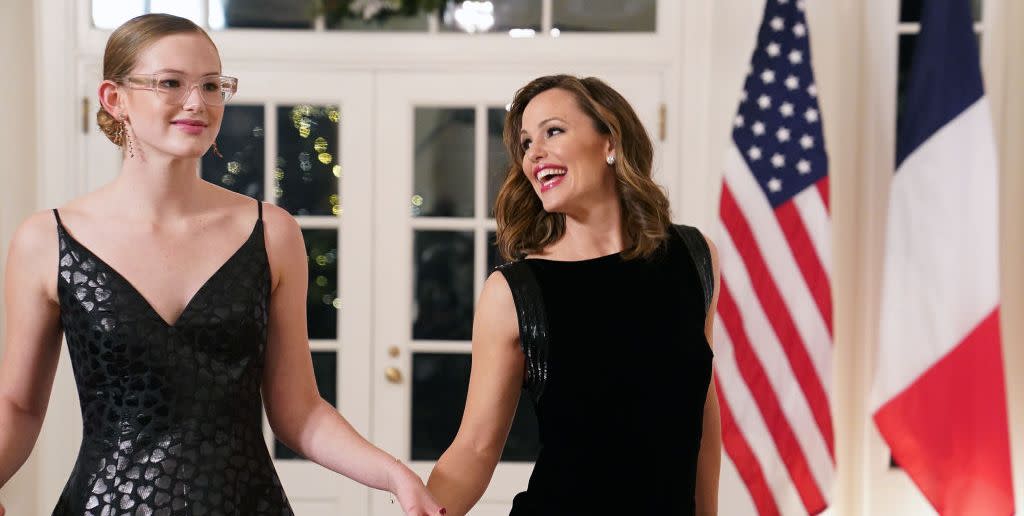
(411, 493)
(2, 511)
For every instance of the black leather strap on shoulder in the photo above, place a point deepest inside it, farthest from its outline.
(701, 255)
(533, 325)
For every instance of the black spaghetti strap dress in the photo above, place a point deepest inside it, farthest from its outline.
(171, 413)
(618, 369)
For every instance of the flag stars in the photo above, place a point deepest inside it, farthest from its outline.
(738, 121)
(796, 57)
(764, 101)
(774, 185)
(778, 160)
(801, 5)
(757, 128)
(803, 167)
(773, 49)
(792, 82)
(812, 90)
(811, 115)
(783, 2)
(799, 30)
(777, 24)
(743, 96)
(782, 134)
(786, 109)
(754, 153)
(768, 76)
(807, 141)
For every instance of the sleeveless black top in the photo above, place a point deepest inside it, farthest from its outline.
(171, 413)
(618, 369)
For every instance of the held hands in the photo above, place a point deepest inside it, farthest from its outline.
(411, 493)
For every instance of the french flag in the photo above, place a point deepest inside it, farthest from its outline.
(939, 396)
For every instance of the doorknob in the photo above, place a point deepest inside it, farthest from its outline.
(393, 375)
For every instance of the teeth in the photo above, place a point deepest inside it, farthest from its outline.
(548, 173)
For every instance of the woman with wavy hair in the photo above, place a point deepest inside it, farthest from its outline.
(603, 317)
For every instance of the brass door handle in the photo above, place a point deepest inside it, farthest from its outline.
(393, 375)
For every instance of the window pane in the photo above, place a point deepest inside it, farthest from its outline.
(439, 384)
(494, 258)
(191, 9)
(108, 14)
(307, 169)
(322, 302)
(443, 285)
(605, 15)
(261, 14)
(241, 143)
(910, 10)
(444, 162)
(497, 157)
(395, 21)
(493, 16)
(325, 369)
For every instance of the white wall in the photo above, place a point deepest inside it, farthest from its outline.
(17, 175)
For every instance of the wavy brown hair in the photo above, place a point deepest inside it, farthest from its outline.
(123, 48)
(525, 228)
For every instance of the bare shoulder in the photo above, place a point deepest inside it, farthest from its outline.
(286, 249)
(496, 311)
(33, 252)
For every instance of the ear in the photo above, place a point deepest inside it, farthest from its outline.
(112, 98)
(609, 147)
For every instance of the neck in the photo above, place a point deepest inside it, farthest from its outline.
(156, 187)
(595, 231)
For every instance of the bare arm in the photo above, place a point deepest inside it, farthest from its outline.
(709, 461)
(299, 417)
(31, 340)
(461, 475)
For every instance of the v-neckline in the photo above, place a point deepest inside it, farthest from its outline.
(141, 296)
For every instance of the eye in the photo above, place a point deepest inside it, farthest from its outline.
(525, 144)
(169, 83)
(211, 86)
(554, 130)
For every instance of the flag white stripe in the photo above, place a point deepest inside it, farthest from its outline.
(770, 353)
(752, 426)
(815, 217)
(781, 265)
(942, 248)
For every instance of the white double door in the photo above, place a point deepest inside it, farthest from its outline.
(400, 241)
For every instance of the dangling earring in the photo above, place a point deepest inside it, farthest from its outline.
(216, 151)
(126, 137)
(610, 159)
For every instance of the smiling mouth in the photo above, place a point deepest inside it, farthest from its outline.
(549, 177)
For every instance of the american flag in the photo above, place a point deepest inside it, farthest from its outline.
(773, 328)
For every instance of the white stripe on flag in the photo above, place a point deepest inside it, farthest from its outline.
(818, 223)
(770, 353)
(781, 265)
(937, 251)
(752, 426)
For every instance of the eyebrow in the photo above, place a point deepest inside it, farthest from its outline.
(174, 70)
(541, 124)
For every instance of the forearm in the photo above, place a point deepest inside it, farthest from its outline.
(709, 462)
(326, 438)
(461, 476)
(18, 432)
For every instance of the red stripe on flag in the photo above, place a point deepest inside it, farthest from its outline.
(768, 403)
(807, 259)
(823, 190)
(949, 429)
(777, 313)
(744, 459)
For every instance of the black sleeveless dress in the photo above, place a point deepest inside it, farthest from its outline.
(171, 413)
(618, 369)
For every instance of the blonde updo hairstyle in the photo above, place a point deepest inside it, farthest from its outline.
(123, 48)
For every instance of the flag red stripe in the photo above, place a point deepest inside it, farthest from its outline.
(746, 462)
(823, 190)
(807, 259)
(776, 311)
(949, 429)
(767, 402)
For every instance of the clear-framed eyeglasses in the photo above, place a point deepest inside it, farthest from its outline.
(174, 88)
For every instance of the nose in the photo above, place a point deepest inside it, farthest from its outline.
(193, 98)
(536, 152)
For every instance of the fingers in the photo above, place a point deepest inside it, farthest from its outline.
(417, 511)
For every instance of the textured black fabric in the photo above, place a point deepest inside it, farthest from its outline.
(533, 325)
(700, 253)
(171, 413)
(628, 369)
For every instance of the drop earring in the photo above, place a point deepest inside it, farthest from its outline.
(126, 139)
(216, 151)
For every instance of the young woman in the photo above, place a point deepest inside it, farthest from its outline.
(604, 318)
(181, 303)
